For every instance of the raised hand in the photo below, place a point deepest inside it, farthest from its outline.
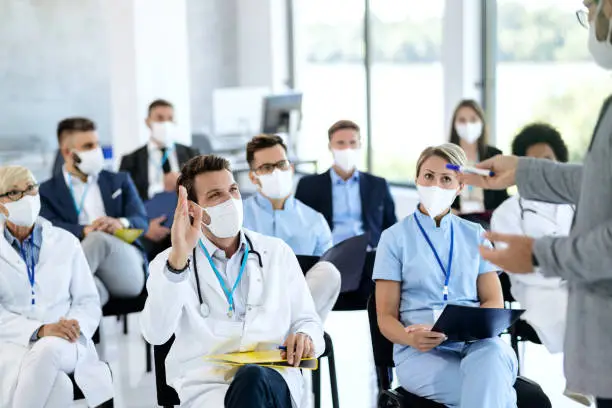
(185, 233)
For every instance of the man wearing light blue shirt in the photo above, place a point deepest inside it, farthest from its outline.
(276, 212)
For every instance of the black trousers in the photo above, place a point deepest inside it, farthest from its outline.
(258, 387)
(604, 403)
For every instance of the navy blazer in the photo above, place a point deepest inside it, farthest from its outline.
(58, 204)
(377, 206)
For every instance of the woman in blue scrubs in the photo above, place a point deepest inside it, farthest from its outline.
(428, 260)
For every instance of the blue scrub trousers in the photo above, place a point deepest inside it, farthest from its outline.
(462, 375)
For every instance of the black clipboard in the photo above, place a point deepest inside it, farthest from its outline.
(465, 323)
(162, 204)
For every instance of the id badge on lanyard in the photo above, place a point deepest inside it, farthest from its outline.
(447, 270)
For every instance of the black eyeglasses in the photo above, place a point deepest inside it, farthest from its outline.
(268, 168)
(16, 195)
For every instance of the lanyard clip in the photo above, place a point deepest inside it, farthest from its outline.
(445, 291)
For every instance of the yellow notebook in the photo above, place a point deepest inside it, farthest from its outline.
(267, 358)
(128, 235)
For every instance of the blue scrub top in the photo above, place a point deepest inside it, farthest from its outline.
(302, 228)
(346, 207)
(404, 256)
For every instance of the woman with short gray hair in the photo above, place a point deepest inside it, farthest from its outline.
(49, 306)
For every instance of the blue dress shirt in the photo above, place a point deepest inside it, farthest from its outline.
(30, 247)
(301, 227)
(404, 256)
(346, 201)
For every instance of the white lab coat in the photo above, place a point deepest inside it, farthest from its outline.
(278, 303)
(64, 287)
(544, 299)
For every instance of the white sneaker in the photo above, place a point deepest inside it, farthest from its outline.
(585, 400)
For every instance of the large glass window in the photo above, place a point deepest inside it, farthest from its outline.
(330, 69)
(407, 84)
(545, 72)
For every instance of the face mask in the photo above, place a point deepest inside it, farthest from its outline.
(276, 185)
(346, 159)
(470, 132)
(436, 200)
(163, 132)
(25, 211)
(225, 218)
(601, 51)
(92, 161)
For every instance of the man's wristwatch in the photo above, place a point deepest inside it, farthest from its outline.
(177, 271)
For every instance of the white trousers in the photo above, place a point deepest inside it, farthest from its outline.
(43, 377)
(323, 280)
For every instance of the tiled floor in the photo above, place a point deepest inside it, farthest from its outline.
(350, 333)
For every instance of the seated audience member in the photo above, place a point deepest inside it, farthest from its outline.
(93, 204)
(154, 168)
(221, 288)
(49, 308)
(469, 130)
(351, 201)
(545, 299)
(274, 211)
(417, 274)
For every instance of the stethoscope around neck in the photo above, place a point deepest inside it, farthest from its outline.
(525, 210)
(252, 250)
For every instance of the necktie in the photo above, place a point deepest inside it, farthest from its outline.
(166, 163)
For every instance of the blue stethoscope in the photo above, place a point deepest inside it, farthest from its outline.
(229, 293)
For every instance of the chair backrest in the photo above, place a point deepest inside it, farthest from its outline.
(349, 256)
(382, 347)
(307, 262)
(166, 395)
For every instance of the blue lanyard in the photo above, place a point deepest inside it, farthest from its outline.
(228, 294)
(447, 270)
(79, 208)
(30, 267)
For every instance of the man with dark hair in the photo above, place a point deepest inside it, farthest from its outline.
(154, 168)
(221, 289)
(93, 204)
(274, 211)
(351, 201)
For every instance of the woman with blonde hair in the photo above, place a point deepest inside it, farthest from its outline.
(424, 262)
(49, 306)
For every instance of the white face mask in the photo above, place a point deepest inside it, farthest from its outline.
(601, 51)
(470, 132)
(277, 184)
(436, 200)
(25, 211)
(164, 133)
(92, 161)
(346, 159)
(225, 218)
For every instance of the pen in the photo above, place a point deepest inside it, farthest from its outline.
(473, 170)
(282, 348)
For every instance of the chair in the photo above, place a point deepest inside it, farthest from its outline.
(529, 394)
(167, 396)
(520, 331)
(121, 307)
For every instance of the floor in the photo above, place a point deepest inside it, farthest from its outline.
(350, 333)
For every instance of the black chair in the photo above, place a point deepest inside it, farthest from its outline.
(521, 331)
(316, 375)
(121, 307)
(529, 394)
(78, 394)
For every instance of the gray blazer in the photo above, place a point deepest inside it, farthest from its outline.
(584, 258)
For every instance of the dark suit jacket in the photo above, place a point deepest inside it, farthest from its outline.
(492, 198)
(137, 165)
(377, 206)
(58, 204)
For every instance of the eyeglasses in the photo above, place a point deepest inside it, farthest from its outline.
(268, 168)
(16, 195)
(583, 18)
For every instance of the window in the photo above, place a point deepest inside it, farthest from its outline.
(545, 72)
(407, 85)
(329, 70)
